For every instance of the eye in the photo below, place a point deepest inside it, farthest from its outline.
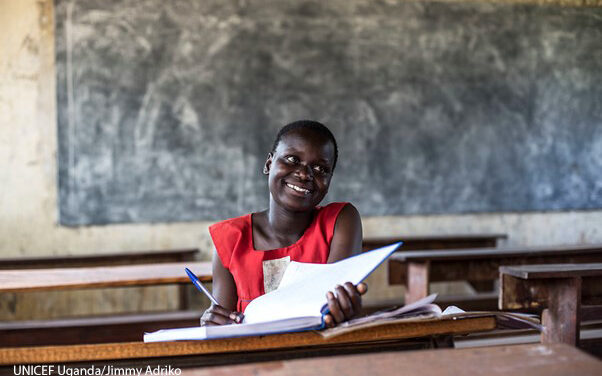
(291, 159)
(320, 169)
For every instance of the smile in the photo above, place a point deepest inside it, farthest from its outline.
(298, 189)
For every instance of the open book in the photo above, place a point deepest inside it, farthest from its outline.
(425, 309)
(299, 302)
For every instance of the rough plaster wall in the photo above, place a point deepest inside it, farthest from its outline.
(28, 196)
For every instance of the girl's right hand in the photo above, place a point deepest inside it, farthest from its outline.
(218, 315)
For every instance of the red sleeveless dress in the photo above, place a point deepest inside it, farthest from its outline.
(256, 272)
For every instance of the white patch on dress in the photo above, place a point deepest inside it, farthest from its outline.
(273, 270)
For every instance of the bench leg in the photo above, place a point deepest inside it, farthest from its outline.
(417, 282)
(444, 341)
(562, 317)
(183, 297)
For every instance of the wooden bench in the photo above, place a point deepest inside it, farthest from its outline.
(107, 259)
(531, 359)
(98, 329)
(426, 242)
(400, 335)
(101, 276)
(431, 242)
(70, 261)
(567, 294)
(417, 269)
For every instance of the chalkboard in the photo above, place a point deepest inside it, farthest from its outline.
(167, 109)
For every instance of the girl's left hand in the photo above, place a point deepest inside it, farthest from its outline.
(346, 304)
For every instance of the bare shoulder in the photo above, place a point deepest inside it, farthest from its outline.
(347, 238)
(349, 215)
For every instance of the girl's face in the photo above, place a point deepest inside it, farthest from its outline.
(300, 169)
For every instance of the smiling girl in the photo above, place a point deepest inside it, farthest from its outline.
(252, 251)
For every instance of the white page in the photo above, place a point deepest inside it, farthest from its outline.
(306, 296)
(298, 270)
(419, 303)
(233, 330)
(194, 333)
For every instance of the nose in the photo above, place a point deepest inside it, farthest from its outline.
(304, 172)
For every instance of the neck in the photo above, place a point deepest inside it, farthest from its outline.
(285, 223)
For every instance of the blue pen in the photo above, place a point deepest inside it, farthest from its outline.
(199, 285)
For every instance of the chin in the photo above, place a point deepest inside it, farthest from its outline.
(297, 204)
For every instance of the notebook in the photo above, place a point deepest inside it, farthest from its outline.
(298, 304)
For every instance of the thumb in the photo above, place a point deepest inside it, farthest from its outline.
(362, 288)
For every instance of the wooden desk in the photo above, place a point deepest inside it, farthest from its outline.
(101, 276)
(116, 328)
(558, 289)
(243, 349)
(425, 242)
(105, 259)
(531, 359)
(418, 268)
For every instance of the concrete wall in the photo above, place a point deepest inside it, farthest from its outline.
(28, 190)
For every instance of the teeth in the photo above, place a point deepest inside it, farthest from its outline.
(298, 189)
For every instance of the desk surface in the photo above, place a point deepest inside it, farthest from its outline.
(99, 259)
(101, 276)
(553, 270)
(413, 238)
(491, 253)
(422, 242)
(531, 359)
(229, 347)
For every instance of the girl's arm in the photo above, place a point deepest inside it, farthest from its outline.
(347, 237)
(224, 290)
(346, 242)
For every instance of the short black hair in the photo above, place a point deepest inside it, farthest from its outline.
(311, 125)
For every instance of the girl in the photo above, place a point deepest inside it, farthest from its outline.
(252, 251)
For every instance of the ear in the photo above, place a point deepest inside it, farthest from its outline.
(268, 164)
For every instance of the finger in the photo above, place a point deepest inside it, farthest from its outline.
(218, 309)
(329, 321)
(362, 288)
(356, 298)
(335, 309)
(344, 302)
(236, 317)
(217, 319)
(218, 315)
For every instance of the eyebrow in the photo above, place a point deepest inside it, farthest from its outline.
(292, 149)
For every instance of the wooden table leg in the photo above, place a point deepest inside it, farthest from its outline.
(183, 297)
(418, 281)
(562, 317)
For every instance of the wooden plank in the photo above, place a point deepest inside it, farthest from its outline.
(489, 253)
(530, 359)
(136, 350)
(562, 319)
(435, 241)
(533, 294)
(98, 329)
(102, 276)
(564, 270)
(418, 281)
(483, 265)
(123, 258)
(557, 289)
(432, 242)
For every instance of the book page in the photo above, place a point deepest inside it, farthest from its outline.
(234, 330)
(298, 270)
(306, 295)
